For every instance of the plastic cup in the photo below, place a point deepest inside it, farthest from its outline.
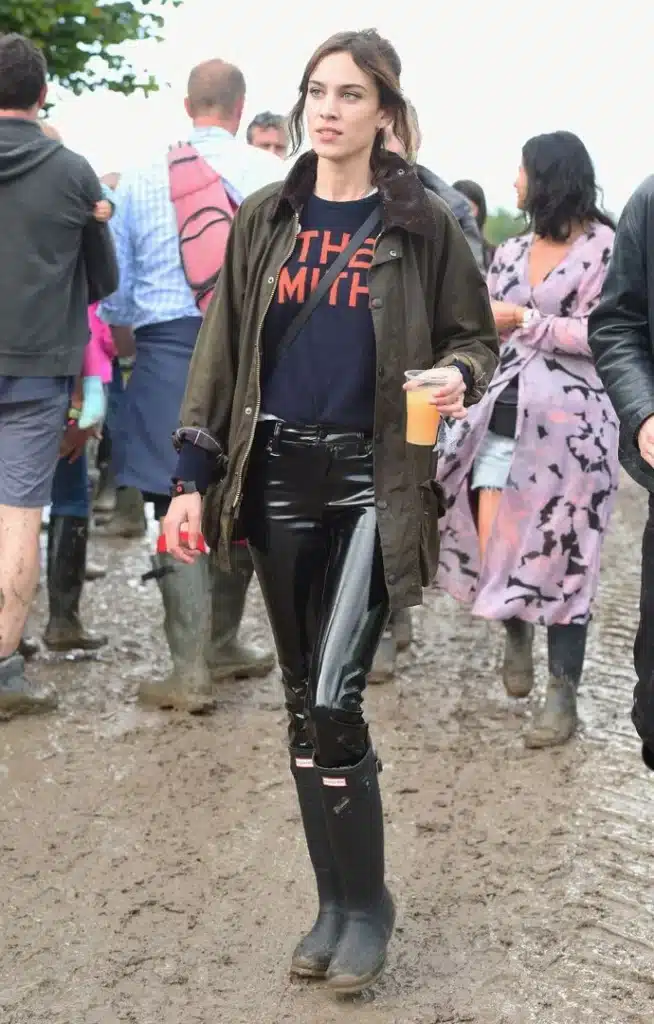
(422, 418)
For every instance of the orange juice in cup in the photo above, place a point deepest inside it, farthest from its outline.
(422, 418)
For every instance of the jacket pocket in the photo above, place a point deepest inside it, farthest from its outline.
(432, 507)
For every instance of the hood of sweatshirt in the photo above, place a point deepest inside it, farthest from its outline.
(23, 146)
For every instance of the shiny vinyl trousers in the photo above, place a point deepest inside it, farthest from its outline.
(309, 516)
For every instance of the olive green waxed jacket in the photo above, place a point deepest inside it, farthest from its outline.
(429, 306)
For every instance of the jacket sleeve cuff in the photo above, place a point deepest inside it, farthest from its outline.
(196, 465)
(465, 372)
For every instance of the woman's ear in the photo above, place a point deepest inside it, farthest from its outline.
(386, 119)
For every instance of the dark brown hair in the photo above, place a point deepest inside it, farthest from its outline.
(23, 73)
(377, 58)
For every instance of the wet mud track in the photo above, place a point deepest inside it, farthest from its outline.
(154, 872)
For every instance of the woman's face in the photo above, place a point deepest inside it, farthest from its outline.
(342, 108)
(520, 185)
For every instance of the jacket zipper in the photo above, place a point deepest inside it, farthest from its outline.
(257, 409)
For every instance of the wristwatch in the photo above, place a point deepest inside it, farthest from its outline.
(183, 487)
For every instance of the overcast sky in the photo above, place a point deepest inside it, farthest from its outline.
(483, 76)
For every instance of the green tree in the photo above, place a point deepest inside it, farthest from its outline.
(81, 38)
(503, 224)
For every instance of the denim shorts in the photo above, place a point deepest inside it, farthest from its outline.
(30, 435)
(493, 463)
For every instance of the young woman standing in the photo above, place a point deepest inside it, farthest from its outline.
(295, 427)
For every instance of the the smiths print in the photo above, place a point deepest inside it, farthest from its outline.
(328, 374)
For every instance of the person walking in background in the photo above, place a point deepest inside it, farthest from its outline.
(475, 195)
(621, 338)
(295, 399)
(119, 510)
(399, 634)
(55, 259)
(155, 315)
(270, 132)
(70, 510)
(531, 477)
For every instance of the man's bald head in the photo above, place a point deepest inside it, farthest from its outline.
(216, 92)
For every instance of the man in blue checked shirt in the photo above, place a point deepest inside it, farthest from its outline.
(154, 314)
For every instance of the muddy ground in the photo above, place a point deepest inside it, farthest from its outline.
(154, 872)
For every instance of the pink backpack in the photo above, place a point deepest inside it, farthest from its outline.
(204, 217)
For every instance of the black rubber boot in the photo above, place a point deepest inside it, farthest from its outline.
(355, 825)
(185, 594)
(227, 656)
(67, 543)
(20, 696)
(518, 668)
(313, 954)
(556, 721)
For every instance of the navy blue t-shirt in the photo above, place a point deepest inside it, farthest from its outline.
(327, 376)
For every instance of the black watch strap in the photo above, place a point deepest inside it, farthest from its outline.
(183, 487)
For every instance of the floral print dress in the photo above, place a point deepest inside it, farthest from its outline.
(543, 556)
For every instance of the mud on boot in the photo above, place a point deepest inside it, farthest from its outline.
(518, 667)
(556, 721)
(355, 825)
(20, 696)
(185, 595)
(67, 544)
(128, 519)
(227, 657)
(314, 952)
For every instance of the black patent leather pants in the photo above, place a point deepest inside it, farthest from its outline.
(309, 517)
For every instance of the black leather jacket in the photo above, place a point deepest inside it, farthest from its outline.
(461, 209)
(621, 328)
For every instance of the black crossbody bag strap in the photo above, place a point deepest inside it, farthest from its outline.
(325, 283)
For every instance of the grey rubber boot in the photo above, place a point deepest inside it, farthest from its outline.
(185, 594)
(104, 501)
(227, 656)
(19, 696)
(518, 668)
(128, 519)
(557, 720)
(402, 628)
(384, 662)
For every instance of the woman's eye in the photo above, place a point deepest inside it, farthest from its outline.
(314, 91)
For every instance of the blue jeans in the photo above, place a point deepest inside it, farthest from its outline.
(70, 489)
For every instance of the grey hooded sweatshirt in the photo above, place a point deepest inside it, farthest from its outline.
(54, 257)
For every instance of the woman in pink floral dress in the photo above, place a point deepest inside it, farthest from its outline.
(533, 471)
